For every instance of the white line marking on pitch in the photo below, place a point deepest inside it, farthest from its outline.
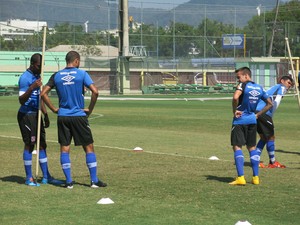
(127, 149)
(159, 99)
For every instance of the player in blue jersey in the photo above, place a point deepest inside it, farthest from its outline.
(72, 120)
(29, 92)
(243, 132)
(265, 125)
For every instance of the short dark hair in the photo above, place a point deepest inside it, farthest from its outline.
(245, 70)
(287, 77)
(71, 56)
(35, 58)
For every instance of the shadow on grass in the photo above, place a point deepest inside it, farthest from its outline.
(21, 180)
(288, 152)
(221, 179)
(13, 179)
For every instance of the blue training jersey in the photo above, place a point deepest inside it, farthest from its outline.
(25, 80)
(69, 84)
(251, 94)
(273, 92)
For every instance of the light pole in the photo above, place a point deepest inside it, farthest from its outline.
(204, 39)
(273, 30)
(259, 8)
(86, 26)
(174, 40)
(141, 24)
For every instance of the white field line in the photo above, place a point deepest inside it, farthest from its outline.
(127, 149)
(97, 115)
(159, 99)
(168, 99)
(8, 124)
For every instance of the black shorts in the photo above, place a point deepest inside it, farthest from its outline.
(28, 127)
(76, 127)
(265, 126)
(243, 135)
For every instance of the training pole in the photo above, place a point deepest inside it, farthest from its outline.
(38, 136)
(293, 70)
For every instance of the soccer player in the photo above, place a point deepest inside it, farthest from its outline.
(29, 92)
(265, 125)
(72, 120)
(243, 132)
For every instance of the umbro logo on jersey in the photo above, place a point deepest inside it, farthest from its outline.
(254, 93)
(68, 78)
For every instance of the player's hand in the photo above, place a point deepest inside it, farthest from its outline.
(87, 112)
(46, 121)
(37, 84)
(238, 114)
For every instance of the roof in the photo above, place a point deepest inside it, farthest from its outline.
(91, 50)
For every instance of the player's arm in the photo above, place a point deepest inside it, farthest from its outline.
(276, 102)
(23, 97)
(268, 106)
(93, 101)
(235, 101)
(46, 117)
(46, 99)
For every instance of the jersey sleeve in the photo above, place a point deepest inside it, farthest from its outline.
(241, 86)
(51, 81)
(23, 85)
(265, 95)
(87, 80)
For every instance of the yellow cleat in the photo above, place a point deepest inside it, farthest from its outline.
(239, 181)
(255, 180)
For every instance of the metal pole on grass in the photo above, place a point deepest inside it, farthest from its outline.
(40, 111)
(293, 70)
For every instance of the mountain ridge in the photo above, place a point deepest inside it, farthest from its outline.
(98, 12)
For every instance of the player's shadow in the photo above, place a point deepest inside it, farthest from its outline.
(13, 179)
(221, 179)
(288, 152)
(18, 180)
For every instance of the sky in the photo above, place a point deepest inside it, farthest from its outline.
(165, 4)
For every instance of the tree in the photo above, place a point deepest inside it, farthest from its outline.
(287, 25)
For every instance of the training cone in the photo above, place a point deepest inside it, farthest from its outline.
(213, 158)
(242, 222)
(137, 149)
(105, 201)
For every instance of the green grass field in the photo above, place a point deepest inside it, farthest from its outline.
(170, 182)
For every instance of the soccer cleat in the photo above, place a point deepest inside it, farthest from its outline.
(31, 182)
(276, 165)
(98, 184)
(239, 181)
(69, 185)
(51, 180)
(255, 180)
(261, 165)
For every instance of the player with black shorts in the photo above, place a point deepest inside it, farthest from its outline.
(29, 91)
(265, 125)
(243, 131)
(72, 120)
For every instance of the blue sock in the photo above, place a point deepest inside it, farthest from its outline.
(44, 163)
(66, 166)
(27, 158)
(239, 162)
(271, 150)
(260, 146)
(254, 159)
(91, 163)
